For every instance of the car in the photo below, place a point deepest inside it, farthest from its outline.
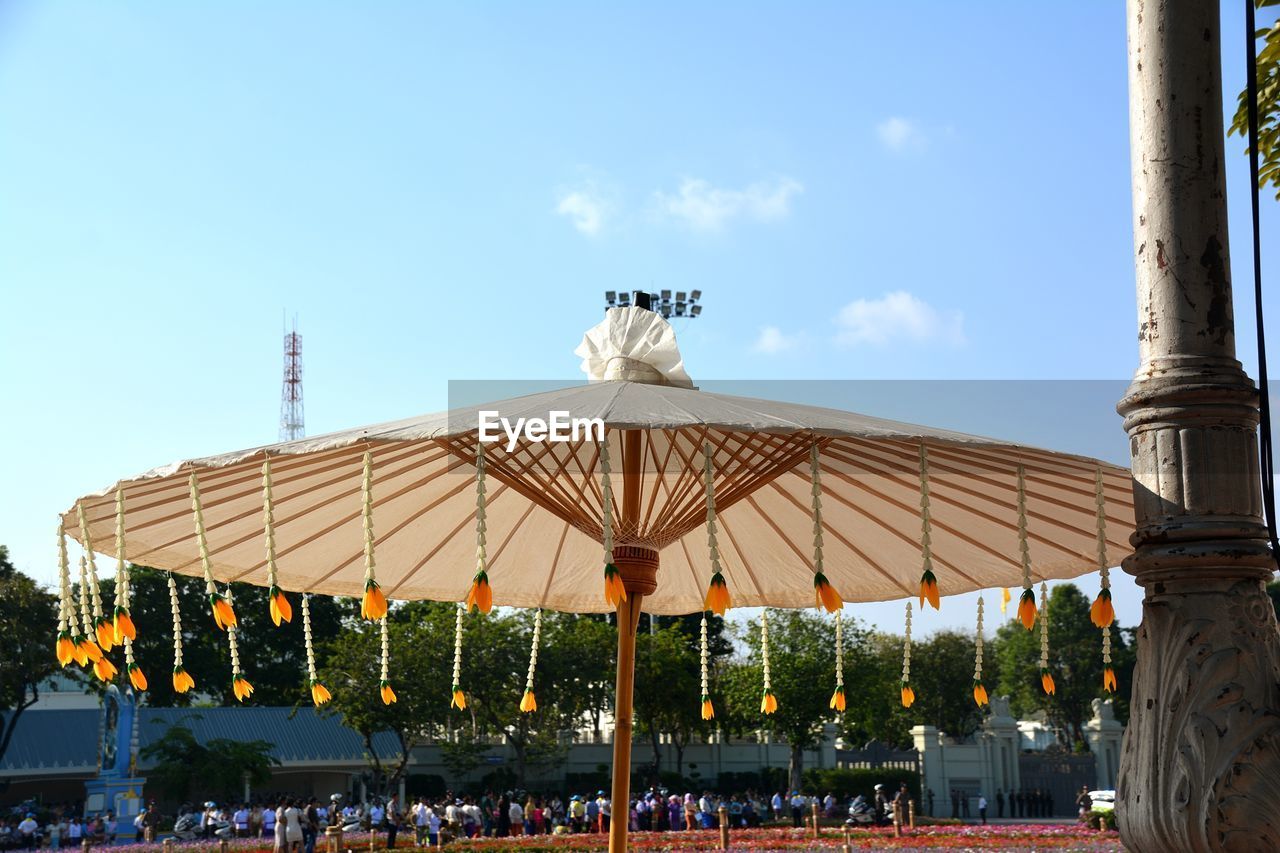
(1103, 801)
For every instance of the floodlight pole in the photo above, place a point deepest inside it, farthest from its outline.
(1201, 755)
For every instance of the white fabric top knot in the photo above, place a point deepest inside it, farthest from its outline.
(635, 345)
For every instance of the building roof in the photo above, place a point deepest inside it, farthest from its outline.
(66, 740)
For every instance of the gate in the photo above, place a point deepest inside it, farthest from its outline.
(1060, 775)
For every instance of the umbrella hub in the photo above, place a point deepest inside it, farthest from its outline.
(638, 567)
(632, 345)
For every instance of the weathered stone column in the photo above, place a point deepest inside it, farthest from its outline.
(1200, 767)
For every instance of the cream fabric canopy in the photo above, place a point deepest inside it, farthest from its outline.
(544, 505)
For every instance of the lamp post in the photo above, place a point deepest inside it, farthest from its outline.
(1201, 755)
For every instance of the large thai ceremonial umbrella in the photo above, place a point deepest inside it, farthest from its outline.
(673, 457)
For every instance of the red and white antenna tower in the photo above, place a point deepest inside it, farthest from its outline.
(291, 418)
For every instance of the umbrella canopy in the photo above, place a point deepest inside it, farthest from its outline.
(544, 508)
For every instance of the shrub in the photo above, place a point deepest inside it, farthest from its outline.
(848, 782)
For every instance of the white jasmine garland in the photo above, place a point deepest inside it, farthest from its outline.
(202, 544)
(764, 649)
(268, 523)
(1024, 547)
(1044, 625)
(839, 652)
(709, 487)
(906, 646)
(533, 652)
(177, 622)
(606, 502)
(306, 638)
(977, 642)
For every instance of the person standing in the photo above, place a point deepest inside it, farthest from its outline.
(75, 832)
(240, 820)
(982, 808)
(606, 812)
(929, 796)
(393, 820)
(515, 816)
(881, 806)
(955, 804)
(1084, 803)
(310, 826)
(999, 803)
(797, 809)
(291, 818)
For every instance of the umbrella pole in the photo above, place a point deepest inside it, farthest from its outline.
(628, 619)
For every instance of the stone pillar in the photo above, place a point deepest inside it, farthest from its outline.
(1200, 766)
(933, 773)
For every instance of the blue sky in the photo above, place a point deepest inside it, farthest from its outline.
(443, 191)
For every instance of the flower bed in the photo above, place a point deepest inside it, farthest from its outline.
(1025, 837)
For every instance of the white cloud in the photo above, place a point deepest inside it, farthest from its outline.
(897, 316)
(900, 134)
(704, 207)
(772, 341)
(585, 208)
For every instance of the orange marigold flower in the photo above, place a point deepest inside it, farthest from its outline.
(908, 695)
(281, 609)
(224, 616)
(528, 702)
(825, 594)
(90, 650)
(66, 649)
(837, 700)
(136, 677)
(929, 591)
(717, 598)
(105, 633)
(768, 702)
(979, 694)
(615, 592)
(1027, 608)
(123, 626)
(388, 695)
(708, 710)
(182, 680)
(1046, 681)
(1109, 682)
(1102, 613)
(241, 688)
(458, 699)
(78, 652)
(104, 669)
(374, 604)
(319, 693)
(480, 595)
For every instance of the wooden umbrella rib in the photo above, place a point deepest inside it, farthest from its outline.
(688, 560)
(941, 497)
(689, 500)
(742, 556)
(555, 564)
(257, 510)
(470, 517)
(660, 477)
(842, 539)
(940, 561)
(687, 481)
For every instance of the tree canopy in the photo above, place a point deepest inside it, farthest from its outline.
(28, 616)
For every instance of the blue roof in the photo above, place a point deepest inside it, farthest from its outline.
(67, 739)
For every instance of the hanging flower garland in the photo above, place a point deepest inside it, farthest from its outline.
(224, 615)
(65, 646)
(908, 695)
(374, 604)
(529, 702)
(717, 598)
(837, 698)
(182, 680)
(928, 582)
(278, 602)
(384, 680)
(825, 594)
(1102, 613)
(768, 702)
(708, 710)
(1046, 677)
(979, 690)
(480, 595)
(103, 631)
(1027, 603)
(240, 686)
(615, 591)
(319, 693)
(122, 623)
(458, 699)
(86, 649)
(1109, 682)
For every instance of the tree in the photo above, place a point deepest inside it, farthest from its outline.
(943, 682)
(581, 652)
(185, 767)
(1075, 660)
(1268, 104)
(668, 691)
(420, 670)
(28, 627)
(802, 663)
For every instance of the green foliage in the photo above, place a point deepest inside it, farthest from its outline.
(185, 768)
(943, 681)
(1268, 104)
(668, 691)
(1101, 819)
(848, 782)
(1075, 659)
(28, 628)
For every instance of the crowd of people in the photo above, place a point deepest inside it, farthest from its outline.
(296, 824)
